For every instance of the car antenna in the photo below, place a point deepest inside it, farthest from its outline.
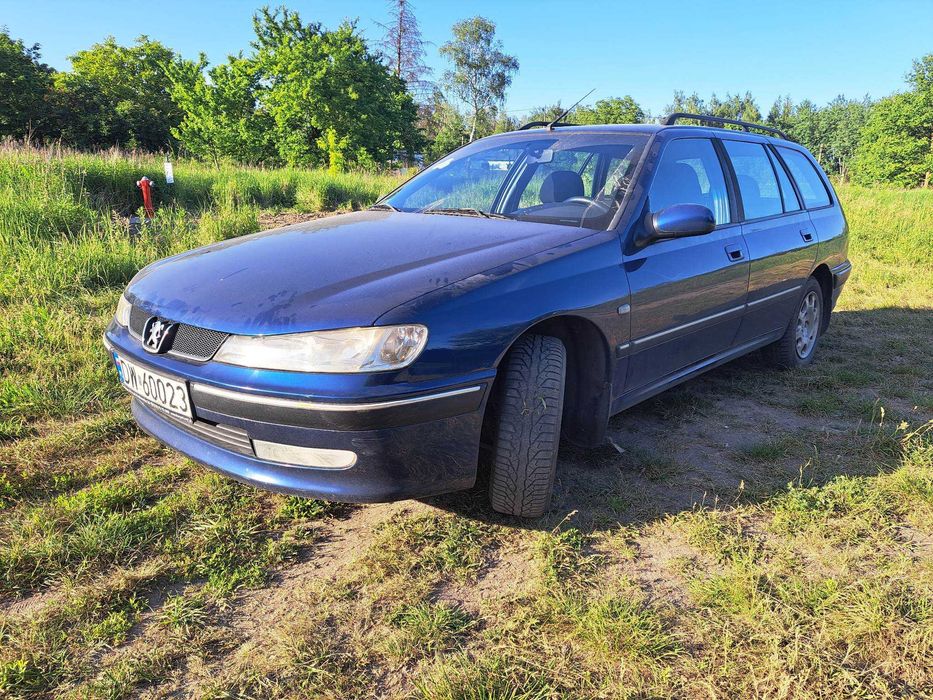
(569, 109)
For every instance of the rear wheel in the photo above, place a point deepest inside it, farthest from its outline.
(797, 346)
(527, 411)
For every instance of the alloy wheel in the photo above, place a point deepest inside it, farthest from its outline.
(808, 324)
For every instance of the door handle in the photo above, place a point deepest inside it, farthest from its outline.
(734, 252)
(806, 235)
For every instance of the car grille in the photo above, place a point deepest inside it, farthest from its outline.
(226, 436)
(138, 318)
(196, 343)
(190, 342)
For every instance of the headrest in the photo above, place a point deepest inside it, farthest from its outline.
(751, 195)
(561, 185)
(676, 183)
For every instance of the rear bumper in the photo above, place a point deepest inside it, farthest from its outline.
(840, 275)
(404, 446)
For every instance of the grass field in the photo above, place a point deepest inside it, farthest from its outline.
(756, 534)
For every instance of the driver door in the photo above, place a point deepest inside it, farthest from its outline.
(687, 294)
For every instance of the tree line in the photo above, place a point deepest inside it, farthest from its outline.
(306, 95)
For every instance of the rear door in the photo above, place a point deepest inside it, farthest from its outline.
(687, 294)
(782, 243)
(825, 213)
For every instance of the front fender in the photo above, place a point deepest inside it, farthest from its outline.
(472, 323)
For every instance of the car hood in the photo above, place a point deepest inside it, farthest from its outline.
(335, 272)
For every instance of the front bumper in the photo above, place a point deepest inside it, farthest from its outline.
(413, 442)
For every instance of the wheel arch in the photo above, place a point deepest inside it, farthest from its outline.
(823, 275)
(587, 393)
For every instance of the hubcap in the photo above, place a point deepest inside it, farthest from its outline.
(808, 324)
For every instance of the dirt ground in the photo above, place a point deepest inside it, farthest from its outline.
(698, 446)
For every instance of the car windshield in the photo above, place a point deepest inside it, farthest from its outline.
(572, 179)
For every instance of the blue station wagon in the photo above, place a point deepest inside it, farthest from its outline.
(519, 291)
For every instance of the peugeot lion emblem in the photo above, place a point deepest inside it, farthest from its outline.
(157, 334)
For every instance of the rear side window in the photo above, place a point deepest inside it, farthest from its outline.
(808, 180)
(758, 184)
(689, 173)
(791, 203)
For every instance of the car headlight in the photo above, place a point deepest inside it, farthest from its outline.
(345, 350)
(122, 316)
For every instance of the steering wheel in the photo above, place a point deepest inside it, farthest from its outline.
(587, 202)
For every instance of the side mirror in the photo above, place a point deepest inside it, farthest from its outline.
(677, 221)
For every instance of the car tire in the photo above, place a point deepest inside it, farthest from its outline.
(797, 347)
(527, 408)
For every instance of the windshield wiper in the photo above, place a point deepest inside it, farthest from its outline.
(383, 206)
(466, 211)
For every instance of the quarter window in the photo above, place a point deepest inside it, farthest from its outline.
(689, 173)
(808, 180)
(758, 184)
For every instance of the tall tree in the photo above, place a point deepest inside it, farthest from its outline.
(482, 71)
(333, 101)
(444, 127)
(404, 49)
(840, 128)
(24, 86)
(896, 144)
(781, 114)
(614, 110)
(921, 78)
(691, 104)
(546, 113)
(807, 128)
(118, 95)
(741, 107)
(222, 115)
(503, 122)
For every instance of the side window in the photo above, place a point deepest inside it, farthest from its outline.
(757, 183)
(791, 203)
(689, 172)
(811, 185)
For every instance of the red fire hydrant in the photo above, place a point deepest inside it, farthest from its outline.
(146, 186)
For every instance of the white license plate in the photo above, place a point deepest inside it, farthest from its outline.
(168, 394)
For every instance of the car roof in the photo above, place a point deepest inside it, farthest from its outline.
(649, 129)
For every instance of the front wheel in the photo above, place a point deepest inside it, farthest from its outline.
(527, 410)
(797, 346)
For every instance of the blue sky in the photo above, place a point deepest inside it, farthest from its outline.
(816, 49)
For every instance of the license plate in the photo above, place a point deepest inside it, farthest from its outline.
(168, 394)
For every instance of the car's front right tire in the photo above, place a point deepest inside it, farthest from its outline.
(526, 410)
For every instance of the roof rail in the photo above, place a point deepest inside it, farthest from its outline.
(746, 126)
(535, 125)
